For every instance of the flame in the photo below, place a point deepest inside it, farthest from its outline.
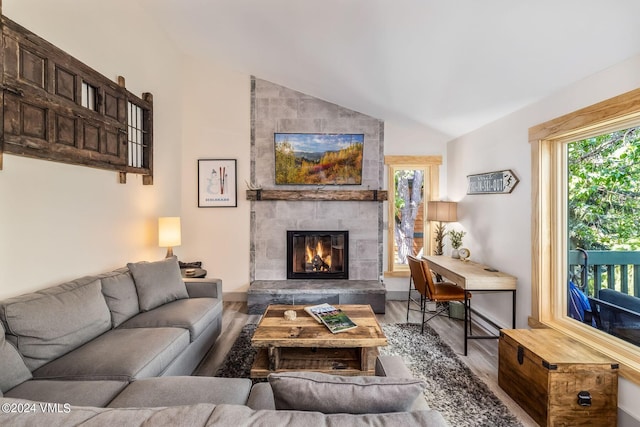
(309, 254)
(318, 251)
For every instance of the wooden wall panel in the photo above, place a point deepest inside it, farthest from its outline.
(42, 108)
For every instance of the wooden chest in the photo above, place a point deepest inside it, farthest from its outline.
(558, 380)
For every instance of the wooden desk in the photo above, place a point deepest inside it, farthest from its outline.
(474, 277)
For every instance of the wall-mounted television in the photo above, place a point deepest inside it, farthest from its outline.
(318, 158)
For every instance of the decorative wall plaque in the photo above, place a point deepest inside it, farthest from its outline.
(499, 182)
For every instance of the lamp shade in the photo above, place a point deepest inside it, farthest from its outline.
(169, 231)
(442, 211)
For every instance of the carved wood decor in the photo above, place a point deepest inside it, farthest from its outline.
(42, 112)
(328, 195)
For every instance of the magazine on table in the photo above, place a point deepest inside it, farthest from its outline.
(333, 318)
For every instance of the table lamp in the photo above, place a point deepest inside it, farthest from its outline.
(169, 233)
(442, 212)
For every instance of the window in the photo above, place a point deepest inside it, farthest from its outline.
(89, 94)
(550, 220)
(136, 135)
(412, 182)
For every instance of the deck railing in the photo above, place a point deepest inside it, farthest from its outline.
(594, 270)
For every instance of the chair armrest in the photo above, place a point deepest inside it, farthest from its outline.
(204, 288)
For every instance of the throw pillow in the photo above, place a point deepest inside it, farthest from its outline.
(120, 293)
(13, 371)
(331, 394)
(158, 282)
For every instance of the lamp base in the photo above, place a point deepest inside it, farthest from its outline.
(169, 252)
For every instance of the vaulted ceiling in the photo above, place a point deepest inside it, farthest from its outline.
(451, 65)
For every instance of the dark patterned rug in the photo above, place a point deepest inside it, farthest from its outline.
(452, 388)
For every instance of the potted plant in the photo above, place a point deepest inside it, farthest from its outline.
(455, 238)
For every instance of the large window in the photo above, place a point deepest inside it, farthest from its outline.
(412, 182)
(573, 206)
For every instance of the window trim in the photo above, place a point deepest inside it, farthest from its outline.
(548, 214)
(431, 166)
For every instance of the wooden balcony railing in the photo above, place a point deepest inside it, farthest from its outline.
(619, 270)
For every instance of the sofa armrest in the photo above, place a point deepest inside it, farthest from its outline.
(392, 366)
(261, 397)
(204, 288)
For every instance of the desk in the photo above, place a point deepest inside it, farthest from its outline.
(474, 277)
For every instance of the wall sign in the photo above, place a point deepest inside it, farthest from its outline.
(500, 182)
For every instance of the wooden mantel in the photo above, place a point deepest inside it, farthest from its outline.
(326, 195)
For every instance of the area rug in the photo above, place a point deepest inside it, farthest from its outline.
(452, 388)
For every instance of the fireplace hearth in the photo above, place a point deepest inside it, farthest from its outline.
(317, 254)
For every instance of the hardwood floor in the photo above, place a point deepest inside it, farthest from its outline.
(482, 356)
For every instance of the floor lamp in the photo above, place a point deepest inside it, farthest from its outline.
(442, 212)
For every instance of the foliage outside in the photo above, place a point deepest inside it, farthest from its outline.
(409, 187)
(604, 191)
(333, 167)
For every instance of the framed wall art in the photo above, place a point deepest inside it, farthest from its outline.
(217, 183)
(318, 158)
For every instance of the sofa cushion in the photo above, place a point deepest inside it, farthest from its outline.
(77, 393)
(52, 322)
(13, 371)
(237, 415)
(157, 282)
(330, 394)
(171, 391)
(207, 414)
(192, 415)
(121, 296)
(194, 314)
(120, 354)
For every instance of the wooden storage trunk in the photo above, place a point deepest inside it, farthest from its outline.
(558, 380)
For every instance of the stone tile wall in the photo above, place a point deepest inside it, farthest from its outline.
(279, 109)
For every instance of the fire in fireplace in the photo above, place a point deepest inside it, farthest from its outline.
(317, 254)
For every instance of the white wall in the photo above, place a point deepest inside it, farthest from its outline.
(216, 125)
(405, 138)
(499, 226)
(60, 221)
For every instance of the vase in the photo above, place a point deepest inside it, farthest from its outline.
(455, 253)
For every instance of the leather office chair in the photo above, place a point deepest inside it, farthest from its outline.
(434, 291)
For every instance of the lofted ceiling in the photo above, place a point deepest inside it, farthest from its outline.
(450, 65)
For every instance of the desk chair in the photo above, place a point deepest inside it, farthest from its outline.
(434, 291)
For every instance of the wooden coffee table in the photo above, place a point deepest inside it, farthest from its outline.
(304, 344)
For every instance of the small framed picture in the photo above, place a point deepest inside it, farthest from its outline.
(217, 183)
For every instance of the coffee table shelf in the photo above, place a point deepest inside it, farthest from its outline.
(305, 345)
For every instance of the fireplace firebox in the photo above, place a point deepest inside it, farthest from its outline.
(317, 254)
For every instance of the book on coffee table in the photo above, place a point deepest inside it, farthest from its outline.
(333, 318)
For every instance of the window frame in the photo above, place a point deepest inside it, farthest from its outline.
(431, 166)
(549, 221)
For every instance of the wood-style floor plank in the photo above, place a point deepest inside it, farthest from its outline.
(482, 356)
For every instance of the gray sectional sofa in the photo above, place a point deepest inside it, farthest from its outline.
(117, 349)
(111, 329)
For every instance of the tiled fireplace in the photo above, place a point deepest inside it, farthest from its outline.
(279, 109)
